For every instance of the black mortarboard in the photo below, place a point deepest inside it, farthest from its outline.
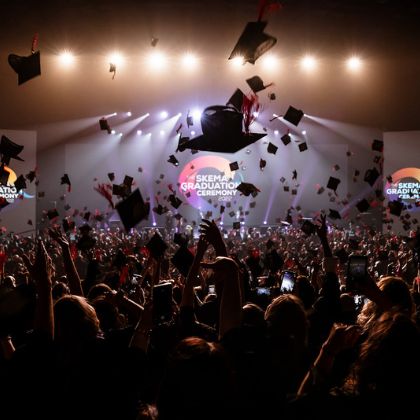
(363, 205)
(333, 183)
(263, 164)
(222, 209)
(20, 183)
(303, 147)
(308, 227)
(41, 194)
(26, 67)
(4, 175)
(395, 207)
(222, 131)
(172, 159)
(180, 239)
(156, 245)
(30, 176)
(286, 139)
(231, 213)
(356, 172)
(111, 176)
(159, 209)
(52, 214)
(272, 148)
(236, 100)
(9, 150)
(104, 125)
(182, 260)
(182, 141)
(336, 167)
(236, 225)
(252, 204)
(286, 188)
(128, 181)
(282, 179)
(294, 192)
(65, 180)
(377, 159)
(67, 207)
(120, 190)
(371, 176)
(294, 174)
(174, 200)
(233, 166)
(293, 115)
(132, 210)
(334, 214)
(320, 190)
(378, 145)
(256, 84)
(253, 42)
(247, 189)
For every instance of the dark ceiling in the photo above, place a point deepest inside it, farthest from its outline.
(385, 33)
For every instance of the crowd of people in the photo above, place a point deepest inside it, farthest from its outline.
(228, 324)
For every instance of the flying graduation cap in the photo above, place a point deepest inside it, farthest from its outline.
(222, 128)
(248, 189)
(132, 210)
(20, 183)
(293, 115)
(104, 125)
(253, 42)
(65, 180)
(9, 150)
(26, 67)
(256, 84)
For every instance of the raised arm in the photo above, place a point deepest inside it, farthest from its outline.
(212, 235)
(322, 232)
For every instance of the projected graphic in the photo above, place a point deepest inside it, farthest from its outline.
(208, 178)
(8, 190)
(405, 186)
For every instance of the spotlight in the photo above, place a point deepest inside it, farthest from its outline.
(128, 114)
(139, 132)
(162, 132)
(157, 61)
(189, 61)
(308, 63)
(116, 58)
(112, 131)
(114, 114)
(120, 134)
(270, 62)
(164, 115)
(192, 133)
(154, 223)
(238, 61)
(354, 64)
(242, 223)
(265, 222)
(221, 223)
(196, 114)
(276, 132)
(179, 114)
(66, 58)
(304, 132)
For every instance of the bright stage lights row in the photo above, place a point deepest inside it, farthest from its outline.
(158, 61)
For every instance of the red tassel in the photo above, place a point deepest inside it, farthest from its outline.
(103, 189)
(35, 40)
(249, 106)
(267, 6)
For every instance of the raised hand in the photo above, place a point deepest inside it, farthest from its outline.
(211, 233)
(342, 337)
(58, 237)
(322, 229)
(41, 269)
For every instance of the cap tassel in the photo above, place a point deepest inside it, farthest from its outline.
(34, 46)
(249, 107)
(104, 190)
(267, 6)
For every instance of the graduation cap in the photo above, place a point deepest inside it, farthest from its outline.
(248, 189)
(336, 167)
(182, 141)
(395, 207)
(52, 214)
(26, 67)
(320, 190)
(222, 131)
(334, 214)
(272, 96)
(41, 194)
(356, 172)
(308, 227)
(65, 180)
(172, 159)
(154, 41)
(286, 139)
(294, 192)
(156, 245)
(282, 179)
(128, 181)
(222, 209)
(371, 176)
(253, 42)
(256, 84)
(333, 183)
(286, 188)
(67, 207)
(111, 176)
(30, 176)
(303, 146)
(293, 115)
(378, 146)
(4, 175)
(104, 125)
(182, 260)
(263, 164)
(20, 183)
(234, 166)
(272, 148)
(294, 174)
(236, 100)
(232, 213)
(9, 150)
(174, 200)
(236, 225)
(159, 209)
(132, 210)
(363, 205)
(120, 190)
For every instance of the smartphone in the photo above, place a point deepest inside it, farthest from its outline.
(162, 303)
(356, 271)
(212, 289)
(288, 279)
(263, 291)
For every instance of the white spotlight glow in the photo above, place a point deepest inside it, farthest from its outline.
(128, 114)
(179, 114)
(154, 223)
(304, 132)
(139, 132)
(265, 222)
(164, 115)
(308, 63)
(189, 61)
(238, 61)
(157, 61)
(192, 133)
(354, 64)
(116, 58)
(255, 114)
(66, 58)
(114, 114)
(276, 132)
(196, 114)
(112, 131)
(162, 132)
(270, 62)
(120, 134)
